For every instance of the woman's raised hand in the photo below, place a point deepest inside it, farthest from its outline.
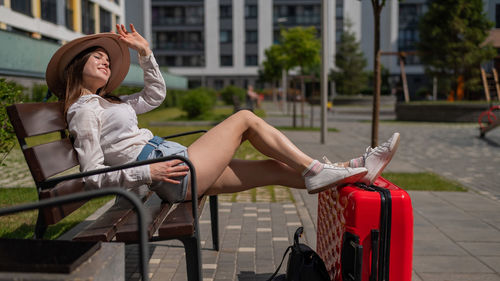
(133, 39)
(168, 171)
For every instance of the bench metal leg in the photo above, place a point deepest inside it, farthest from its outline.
(41, 226)
(214, 216)
(193, 257)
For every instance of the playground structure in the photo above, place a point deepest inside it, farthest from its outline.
(488, 119)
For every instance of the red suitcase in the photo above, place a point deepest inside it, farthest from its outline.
(366, 233)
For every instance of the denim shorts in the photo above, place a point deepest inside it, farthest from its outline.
(172, 193)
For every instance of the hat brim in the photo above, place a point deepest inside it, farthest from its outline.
(118, 52)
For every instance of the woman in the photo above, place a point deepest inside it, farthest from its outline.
(83, 73)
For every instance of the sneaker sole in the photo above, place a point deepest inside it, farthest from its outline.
(393, 147)
(351, 179)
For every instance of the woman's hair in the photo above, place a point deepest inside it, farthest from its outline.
(74, 80)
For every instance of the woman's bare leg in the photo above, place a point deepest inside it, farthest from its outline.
(212, 153)
(239, 175)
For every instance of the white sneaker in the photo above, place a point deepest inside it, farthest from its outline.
(376, 159)
(331, 176)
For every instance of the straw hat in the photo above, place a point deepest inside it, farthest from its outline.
(119, 58)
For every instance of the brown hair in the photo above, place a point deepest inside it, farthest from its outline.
(74, 79)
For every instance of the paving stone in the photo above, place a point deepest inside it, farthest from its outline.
(449, 264)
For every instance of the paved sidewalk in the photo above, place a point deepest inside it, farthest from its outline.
(457, 234)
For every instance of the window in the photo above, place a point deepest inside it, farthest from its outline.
(251, 36)
(49, 10)
(339, 11)
(251, 60)
(409, 15)
(225, 12)
(497, 15)
(251, 11)
(226, 36)
(105, 18)
(68, 16)
(218, 84)
(192, 61)
(22, 6)
(226, 60)
(88, 17)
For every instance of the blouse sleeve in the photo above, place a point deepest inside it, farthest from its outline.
(154, 91)
(84, 125)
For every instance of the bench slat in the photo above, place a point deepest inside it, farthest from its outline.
(104, 228)
(180, 221)
(51, 158)
(156, 211)
(32, 119)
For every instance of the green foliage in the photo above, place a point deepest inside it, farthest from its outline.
(10, 93)
(230, 93)
(350, 77)
(301, 46)
(197, 102)
(452, 34)
(273, 65)
(384, 77)
(38, 92)
(126, 90)
(173, 97)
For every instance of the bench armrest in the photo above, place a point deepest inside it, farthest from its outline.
(185, 134)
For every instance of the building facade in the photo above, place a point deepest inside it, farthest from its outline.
(216, 43)
(32, 30)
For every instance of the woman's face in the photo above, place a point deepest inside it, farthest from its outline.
(96, 71)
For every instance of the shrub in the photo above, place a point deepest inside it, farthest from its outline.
(197, 102)
(10, 93)
(38, 92)
(230, 93)
(126, 90)
(173, 97)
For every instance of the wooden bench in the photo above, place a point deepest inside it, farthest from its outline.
(119, 224)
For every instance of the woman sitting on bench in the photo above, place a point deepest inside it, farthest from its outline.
(83, 72)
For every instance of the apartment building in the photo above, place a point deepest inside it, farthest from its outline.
(216, 43)
(32, 30)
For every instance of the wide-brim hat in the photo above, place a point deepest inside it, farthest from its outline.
(119, 59)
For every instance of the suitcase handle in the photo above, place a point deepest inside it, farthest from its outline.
(375, 233)
(351, 258)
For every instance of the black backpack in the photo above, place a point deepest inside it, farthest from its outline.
(304, 264)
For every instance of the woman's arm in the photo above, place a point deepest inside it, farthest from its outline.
(154, 90)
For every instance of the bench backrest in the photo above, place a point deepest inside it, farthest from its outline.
(50, 158)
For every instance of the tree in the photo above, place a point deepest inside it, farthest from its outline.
(302, 49)
(349, 78)
(452, 34)
(273, 65)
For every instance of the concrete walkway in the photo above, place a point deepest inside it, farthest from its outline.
(456, 234)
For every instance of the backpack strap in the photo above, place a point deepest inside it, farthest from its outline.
(279, 266)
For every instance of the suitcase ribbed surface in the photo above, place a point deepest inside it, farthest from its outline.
(330, 231)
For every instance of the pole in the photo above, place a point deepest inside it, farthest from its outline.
(324, 68)
(284, 87)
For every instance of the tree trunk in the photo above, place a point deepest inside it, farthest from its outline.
(302, 100)
(377, 7)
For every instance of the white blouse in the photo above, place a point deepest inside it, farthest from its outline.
(106, 134)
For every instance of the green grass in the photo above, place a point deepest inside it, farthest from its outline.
(22, 225)
(175, 114)
(423, 181)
